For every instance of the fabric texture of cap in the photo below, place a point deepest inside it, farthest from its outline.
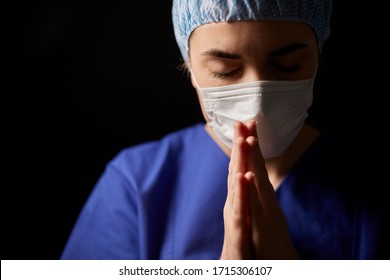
(189, 14)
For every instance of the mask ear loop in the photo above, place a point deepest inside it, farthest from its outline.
(193, 79)
(199, 90)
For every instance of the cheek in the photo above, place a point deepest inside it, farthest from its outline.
(312, 64)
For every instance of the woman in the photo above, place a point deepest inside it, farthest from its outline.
(255, 181)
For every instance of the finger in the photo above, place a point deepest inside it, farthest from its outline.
(241, 160)
(238, 235)
(236, 143)
(256, 162)
(232, 162)
(238, 205)
(256, 214)
(238, 160)
(240, 129)
(234, 149)
(257, 165)
(251, 126)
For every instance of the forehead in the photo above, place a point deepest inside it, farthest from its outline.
(259, 34)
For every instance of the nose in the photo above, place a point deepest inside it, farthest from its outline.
(256, 72)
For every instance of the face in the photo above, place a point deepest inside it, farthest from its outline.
(237, 52)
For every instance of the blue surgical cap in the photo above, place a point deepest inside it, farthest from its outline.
(189, 14)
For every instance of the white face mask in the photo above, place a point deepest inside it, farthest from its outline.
(279, 107)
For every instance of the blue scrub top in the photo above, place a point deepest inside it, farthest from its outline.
(164, 200)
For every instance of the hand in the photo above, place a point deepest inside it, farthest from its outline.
(255, 226)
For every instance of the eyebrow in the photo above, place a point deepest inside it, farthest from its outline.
(287, 49)
(221, 54)
(279, 52)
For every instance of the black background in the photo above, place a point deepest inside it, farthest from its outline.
(85, 79)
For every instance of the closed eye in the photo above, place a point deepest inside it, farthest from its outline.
(217, 75)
